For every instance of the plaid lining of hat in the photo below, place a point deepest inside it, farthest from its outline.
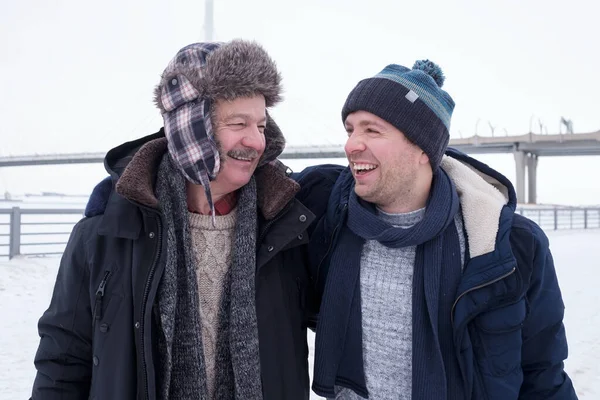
(187, 120)
(190, 139)
(178, 91)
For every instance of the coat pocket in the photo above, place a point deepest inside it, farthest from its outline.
(500, 339)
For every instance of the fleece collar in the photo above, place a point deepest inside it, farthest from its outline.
(483, 194)
(136, 183)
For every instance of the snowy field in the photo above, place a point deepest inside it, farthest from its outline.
(26, 287)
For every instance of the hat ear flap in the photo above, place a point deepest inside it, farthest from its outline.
(177, 91)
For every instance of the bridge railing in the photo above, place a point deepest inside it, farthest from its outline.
(43, 232)
(35, 232)
(563, 218)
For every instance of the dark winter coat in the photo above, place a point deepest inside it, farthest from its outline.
(98, 337)
(507, 315)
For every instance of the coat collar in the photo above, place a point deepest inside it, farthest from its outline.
(134, 166)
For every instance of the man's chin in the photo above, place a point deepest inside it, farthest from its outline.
(241, 180)
(242, 167)
(362, 192)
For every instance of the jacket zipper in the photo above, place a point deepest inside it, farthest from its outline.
(478, 287)
(144, 301)
(97, 315)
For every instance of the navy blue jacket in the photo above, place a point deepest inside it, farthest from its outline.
(507, 316)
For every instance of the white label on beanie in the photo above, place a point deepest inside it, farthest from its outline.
(411, 96)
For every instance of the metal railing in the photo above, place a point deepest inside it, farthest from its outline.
(563, 218)
(41, 232)
(36, 231)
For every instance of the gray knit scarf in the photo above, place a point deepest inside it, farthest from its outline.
(181, 368)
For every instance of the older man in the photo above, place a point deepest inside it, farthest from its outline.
(187, 278)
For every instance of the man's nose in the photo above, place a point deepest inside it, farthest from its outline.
(354, 145)
(254, 138)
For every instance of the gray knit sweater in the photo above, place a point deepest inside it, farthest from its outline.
(212, 247)
(386, 276)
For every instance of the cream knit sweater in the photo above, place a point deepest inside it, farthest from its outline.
(212, 252)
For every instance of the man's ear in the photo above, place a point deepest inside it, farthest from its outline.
(423, 158)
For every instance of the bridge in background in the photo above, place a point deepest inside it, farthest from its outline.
(526, 150)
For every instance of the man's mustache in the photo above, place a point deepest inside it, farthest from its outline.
(243, 153)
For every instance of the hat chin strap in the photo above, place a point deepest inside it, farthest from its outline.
(206, 183)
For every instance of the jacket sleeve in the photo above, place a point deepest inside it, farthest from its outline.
(316, 183)
(544, 338)
(64, 356)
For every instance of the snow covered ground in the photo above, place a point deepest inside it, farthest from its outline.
(26, 287)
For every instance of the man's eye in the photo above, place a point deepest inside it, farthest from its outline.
(261, 128)
(369, 130)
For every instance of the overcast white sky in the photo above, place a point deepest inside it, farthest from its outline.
(78, 76)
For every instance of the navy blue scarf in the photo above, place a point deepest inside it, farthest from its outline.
(338, 353)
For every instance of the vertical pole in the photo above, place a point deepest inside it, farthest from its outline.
(208, 20)
(14, 248)
(520, 169)
(585, 216)
(532, 162)
(571, 219)
(555, 219)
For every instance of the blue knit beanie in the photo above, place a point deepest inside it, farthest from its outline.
(410, 99)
